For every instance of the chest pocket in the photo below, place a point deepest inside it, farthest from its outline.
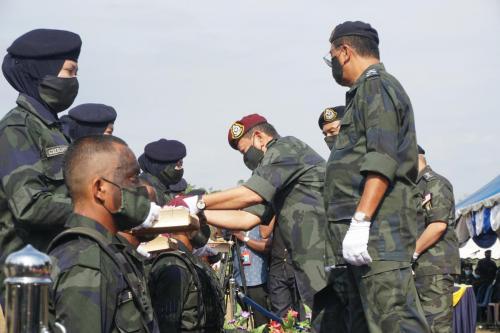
(128, 316)
(347, 136)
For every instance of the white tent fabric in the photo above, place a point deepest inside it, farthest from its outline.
(472, 251)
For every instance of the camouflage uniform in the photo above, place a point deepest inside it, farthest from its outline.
(91, 291)
(34, 203)
(185, 293)
(377, 135)
(163, 193)
(435, 267)
(290, 179)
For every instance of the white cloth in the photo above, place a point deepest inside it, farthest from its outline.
(355, 243)
(191, 202)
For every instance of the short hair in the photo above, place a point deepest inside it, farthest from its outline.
(363, 46)
(79, 161)
(263, 127)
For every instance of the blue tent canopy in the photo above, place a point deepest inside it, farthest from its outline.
(487, 191)
(478, 215)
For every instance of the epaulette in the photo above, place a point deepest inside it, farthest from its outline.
(372, 73)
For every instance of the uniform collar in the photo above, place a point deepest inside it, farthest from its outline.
(423, 172)
(368, 72)
(154, 181)
(77, 220)
(37, 109)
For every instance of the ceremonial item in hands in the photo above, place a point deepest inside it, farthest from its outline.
(219, 245)
(172, 219)
(160, 243)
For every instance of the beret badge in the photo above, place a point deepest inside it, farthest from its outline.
(329, 115)
(237, 130)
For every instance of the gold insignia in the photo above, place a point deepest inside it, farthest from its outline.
(329, 115)
(237, 130)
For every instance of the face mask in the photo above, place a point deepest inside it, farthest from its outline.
(252, 157)
(467, 272)
(330, 141)
(57, 92)
(337, 71)
(170, 175)
(134, 207)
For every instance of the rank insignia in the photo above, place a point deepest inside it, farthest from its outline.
(329, 115)
(237, 130)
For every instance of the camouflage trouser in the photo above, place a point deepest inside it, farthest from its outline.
(377, 298)
(436, 295)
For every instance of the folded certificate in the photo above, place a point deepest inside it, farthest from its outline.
(172, 219)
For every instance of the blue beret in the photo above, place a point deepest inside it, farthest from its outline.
(356, 28)
(181, 186)
(329, 115)
(165, 150)
(93, 113)
(47, 43)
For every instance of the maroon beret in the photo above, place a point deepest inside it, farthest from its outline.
(241, 127)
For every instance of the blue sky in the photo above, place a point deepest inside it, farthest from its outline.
(187, 69)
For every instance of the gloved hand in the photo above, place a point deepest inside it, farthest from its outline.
(188, 202)
(154, 214)
(355, 244)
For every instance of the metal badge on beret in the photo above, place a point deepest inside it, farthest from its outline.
(329, 115)
(237, 130)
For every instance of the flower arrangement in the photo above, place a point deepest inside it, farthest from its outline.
(289, 324)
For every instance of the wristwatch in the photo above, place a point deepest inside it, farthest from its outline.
(361, 217)
(246, 239)
(200, 204)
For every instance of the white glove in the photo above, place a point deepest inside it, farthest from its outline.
(355, 244)
(191, 202)
(154, 215)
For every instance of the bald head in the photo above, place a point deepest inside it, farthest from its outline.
(91, 156)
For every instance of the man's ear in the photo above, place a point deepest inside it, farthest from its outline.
(347, 53)
(99, 189)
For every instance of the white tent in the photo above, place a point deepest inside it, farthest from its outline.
(472, 251)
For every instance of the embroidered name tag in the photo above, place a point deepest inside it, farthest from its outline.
(56, 150)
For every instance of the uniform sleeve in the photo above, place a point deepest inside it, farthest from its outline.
(382, 128)
(442, 204)
(168, 288)
(277, 170)
(264, 212)
(31, 199)
(78, 304)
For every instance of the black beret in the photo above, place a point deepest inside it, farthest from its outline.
(181, 186)
(47, 43)
(421, 150)
(356, 28)
(331, 114)
(165, 150)
(93, 113)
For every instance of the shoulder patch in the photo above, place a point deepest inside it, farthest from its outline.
(55, 151)
(428, 176)
(371, 73)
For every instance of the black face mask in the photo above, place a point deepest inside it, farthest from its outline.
(252, 157)
(170, 175)
(337, 71)
(200, 237)
(330, 141)
(57, 92)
